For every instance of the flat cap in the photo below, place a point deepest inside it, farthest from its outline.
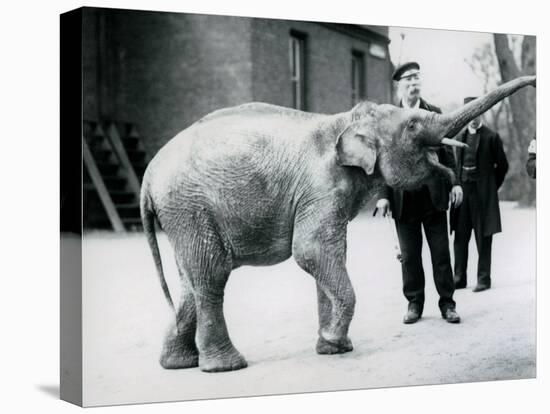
(403, 68)
(469, 98)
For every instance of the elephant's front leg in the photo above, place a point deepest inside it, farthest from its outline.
(321, 252)
(340, 344)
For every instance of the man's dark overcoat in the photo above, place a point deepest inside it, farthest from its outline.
(492, 166)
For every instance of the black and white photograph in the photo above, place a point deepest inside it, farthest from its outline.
(338, 209)
(282, 206)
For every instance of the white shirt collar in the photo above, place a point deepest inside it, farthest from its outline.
(472, 130)
(406, 105)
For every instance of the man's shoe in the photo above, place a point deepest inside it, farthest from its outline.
(413, 314)
(460, 285)
(480, 288)
(450, 315)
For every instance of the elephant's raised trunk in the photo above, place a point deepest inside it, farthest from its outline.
(448, 125)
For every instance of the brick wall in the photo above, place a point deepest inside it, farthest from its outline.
(378, 78)
(163, 71)
(328, 63)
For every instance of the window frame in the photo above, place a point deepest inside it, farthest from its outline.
(298, 69)
(358, 76)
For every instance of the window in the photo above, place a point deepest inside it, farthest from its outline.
(297, 70)
(377, 50)
(357, 76)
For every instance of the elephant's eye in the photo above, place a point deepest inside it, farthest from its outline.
(411, 126)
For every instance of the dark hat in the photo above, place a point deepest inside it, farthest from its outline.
(469, 98)
(403, 68)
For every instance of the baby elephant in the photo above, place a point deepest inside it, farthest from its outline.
(257, 183)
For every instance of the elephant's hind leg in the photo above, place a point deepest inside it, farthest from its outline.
(216, 351)
(208, 267)
(179, 349)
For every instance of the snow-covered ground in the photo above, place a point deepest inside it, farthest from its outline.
(272, 320)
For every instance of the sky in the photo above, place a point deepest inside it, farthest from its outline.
(446, 78)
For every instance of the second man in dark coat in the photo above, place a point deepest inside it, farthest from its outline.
(481, 169)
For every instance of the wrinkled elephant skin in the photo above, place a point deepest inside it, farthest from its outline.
(257, 183)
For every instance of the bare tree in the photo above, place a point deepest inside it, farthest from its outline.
(484, 65)
(522, 105)
(508, 57)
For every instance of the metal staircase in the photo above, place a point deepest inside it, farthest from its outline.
(114, 163)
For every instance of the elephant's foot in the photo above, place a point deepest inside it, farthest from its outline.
(179, 353)
(176, 361)
(229, 360)
(341, 346)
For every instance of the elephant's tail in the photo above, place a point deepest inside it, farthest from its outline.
(148, 220)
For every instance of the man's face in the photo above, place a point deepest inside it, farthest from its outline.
(475, 123)
(410, 84)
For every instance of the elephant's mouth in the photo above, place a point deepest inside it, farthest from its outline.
(432, 157)
(433, 160)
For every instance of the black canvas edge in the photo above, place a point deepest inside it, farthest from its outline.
(71, 363)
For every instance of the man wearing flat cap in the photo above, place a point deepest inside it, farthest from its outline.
(481, 169)
(423, 208)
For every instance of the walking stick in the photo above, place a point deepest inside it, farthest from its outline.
(394, 236)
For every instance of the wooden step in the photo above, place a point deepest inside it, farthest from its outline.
(107, 168)
(123, 197)
(102, 155)
(136, 156)
(103, 224)
(128, 210)
(96, 142)
(131, 143)
(94, 135)
(132, 224)
(114, 182)
(140, 170)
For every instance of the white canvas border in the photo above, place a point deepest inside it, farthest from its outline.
(30, 180)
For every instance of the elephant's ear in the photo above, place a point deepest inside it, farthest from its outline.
(357, 148)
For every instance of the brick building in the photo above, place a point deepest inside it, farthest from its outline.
(157, 73)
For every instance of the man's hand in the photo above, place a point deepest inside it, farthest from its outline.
(384, 206)
(456, 195)
(532, 147)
